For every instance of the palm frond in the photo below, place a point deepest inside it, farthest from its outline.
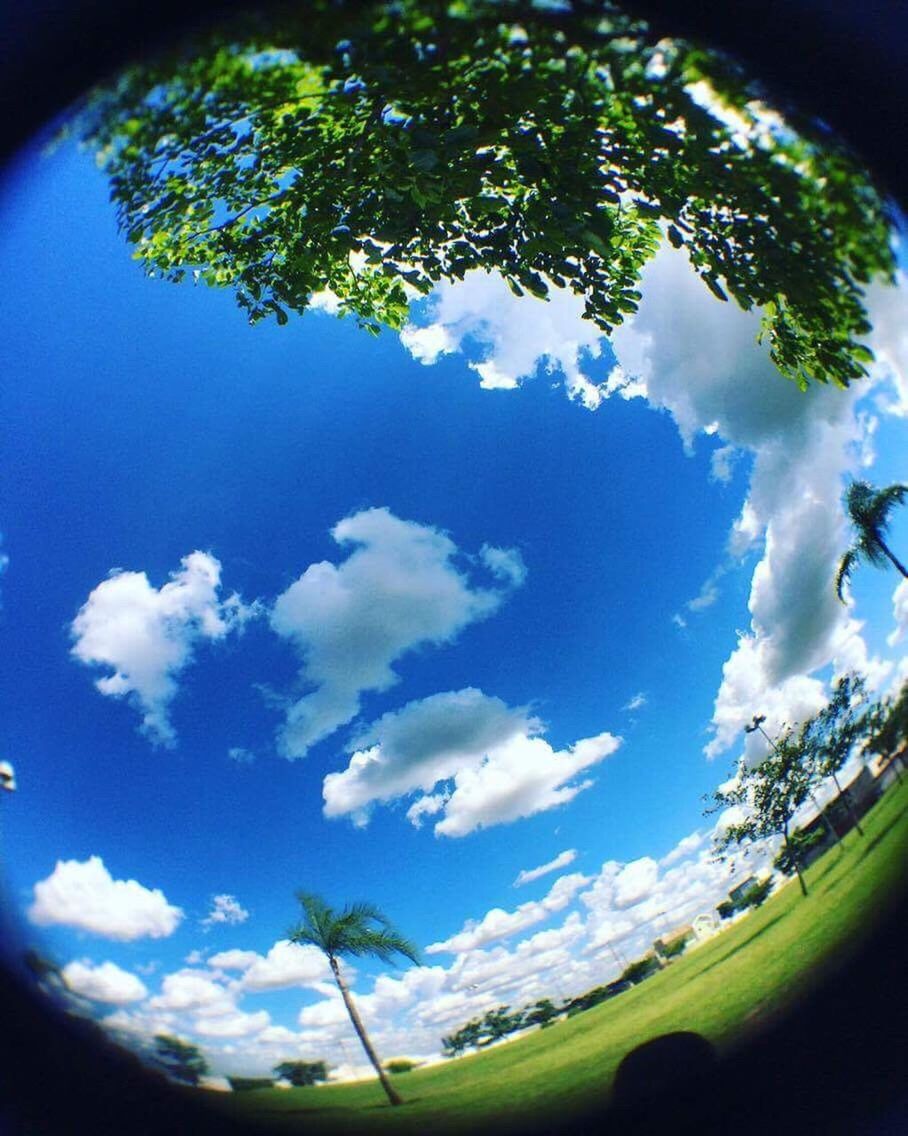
(885, 500)
(360, 929)
(846, 567)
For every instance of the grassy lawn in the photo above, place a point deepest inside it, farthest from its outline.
(730, 985)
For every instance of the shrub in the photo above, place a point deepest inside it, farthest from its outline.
(245, 1084)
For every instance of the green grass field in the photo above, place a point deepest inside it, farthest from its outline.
(730, 985)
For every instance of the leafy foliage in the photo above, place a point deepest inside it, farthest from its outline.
(541, 1013)
(180, 1059)
(374, 150)
(301, 1073)
(769, 794)
(360, 929)
(400, 1065)
(869, 511)
(888, 725)
(639, 969)
(793, 854)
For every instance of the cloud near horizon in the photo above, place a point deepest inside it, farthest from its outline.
(400, 588)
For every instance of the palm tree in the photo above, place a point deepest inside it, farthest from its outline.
(360, 929)
(868, 510)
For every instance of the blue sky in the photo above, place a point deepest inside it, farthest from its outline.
(494, 595)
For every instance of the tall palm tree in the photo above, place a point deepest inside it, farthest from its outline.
(869, 509)
(360, 929)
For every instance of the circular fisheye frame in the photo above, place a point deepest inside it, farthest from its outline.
(454, 563)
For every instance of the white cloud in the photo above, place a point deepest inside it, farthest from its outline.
(228, 960)
(240, 755)
(225, 909)
(237, 1023)
(427, 741)
(82, 894)
(699, 360)
(190, 989)
(147, 636)
(899, 614)
(399, 589)
(889, 340)
(506, 564)
(103, 983)
(523, 777)
(636, 703)
(492, 766)
(683, 849)
(528, 875)
(286, 964)
(518, 334)
(498, 924)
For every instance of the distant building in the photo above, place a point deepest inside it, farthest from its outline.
(740, 890)
(861, 794)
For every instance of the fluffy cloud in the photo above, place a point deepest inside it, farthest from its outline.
(499, 924)
(286, 964)
(190, 989)
(899, 614)
(147, 636)
(518, 335)
(416, 747)
(720, 381)
(104, 983)
(225, 909)
(82, 894)
(889, 341)
(523, 777)
(528, 875)
(399, 589)
(236, 1023)
(488, 756)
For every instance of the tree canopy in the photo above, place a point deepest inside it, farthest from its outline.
(180, 1059)
(767, 796)
(373, 150)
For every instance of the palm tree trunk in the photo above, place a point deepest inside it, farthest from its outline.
(393, 1096)
(895, 561)
(846, 797)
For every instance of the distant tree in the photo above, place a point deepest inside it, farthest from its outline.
(467, 1037)
(400, 1065)
(726, 909)
(360, 929)
(790, 856)
(249, 1084)
(834, 733)
(179, 1059)
(639, 969)
(541, 1013)
(675, 948)
(869, 512)
(553, 144)
(498, 1023)
(301, 1073)
(769, 794)
(887, 733)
